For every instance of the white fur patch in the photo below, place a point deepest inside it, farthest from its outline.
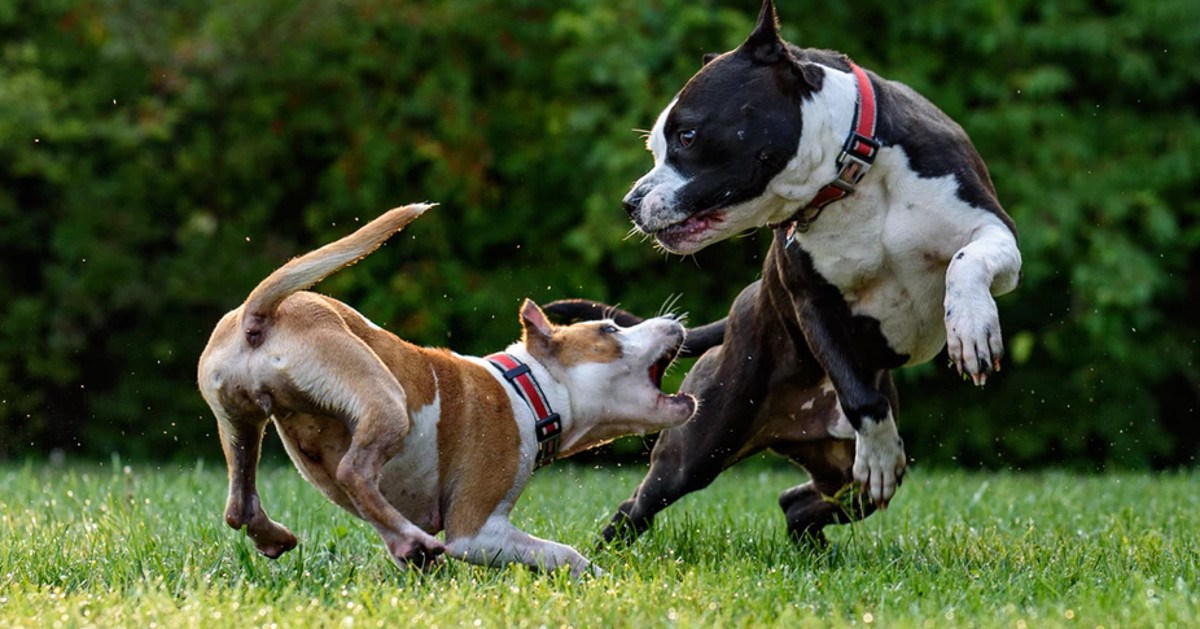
(410, 480)
(499, 543)
(841, 428)
(656, 142)
(658, 206)
(879, 458)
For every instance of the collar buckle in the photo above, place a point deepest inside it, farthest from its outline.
(856, 158)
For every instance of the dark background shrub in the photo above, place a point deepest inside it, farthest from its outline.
(158, 159)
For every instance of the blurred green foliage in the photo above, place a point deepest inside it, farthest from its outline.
(158, 159)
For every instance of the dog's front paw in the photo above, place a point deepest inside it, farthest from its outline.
(624, 529)
(879, 459)
(973, 337)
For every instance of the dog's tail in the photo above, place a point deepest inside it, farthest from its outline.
(302, 272)
(699, 339)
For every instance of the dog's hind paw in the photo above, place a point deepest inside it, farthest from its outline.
(419, 551)
(275, 549)
(271, 538)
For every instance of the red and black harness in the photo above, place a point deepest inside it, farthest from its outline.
(548, 425)
(857, 156)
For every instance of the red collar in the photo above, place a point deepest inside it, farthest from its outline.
(548, 426)
(857, 156)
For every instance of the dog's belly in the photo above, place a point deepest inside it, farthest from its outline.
(410, 479)
(316, 445)
(908, 312)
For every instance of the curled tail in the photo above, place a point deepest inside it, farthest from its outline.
(699, 339)
(302, 272)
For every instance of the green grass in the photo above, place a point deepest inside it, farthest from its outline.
(146, 546)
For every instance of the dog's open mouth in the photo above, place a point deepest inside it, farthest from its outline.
(658, 369)
(689, 230)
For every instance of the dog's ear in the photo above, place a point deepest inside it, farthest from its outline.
(536, 328)
(764, 44)
(708, 57)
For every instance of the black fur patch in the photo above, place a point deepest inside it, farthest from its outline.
(747, 127)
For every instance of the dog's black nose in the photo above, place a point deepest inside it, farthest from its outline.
(632, 202)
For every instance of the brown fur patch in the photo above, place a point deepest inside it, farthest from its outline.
(405, 360)
(478, 443)
(797, 415)
(585, 343)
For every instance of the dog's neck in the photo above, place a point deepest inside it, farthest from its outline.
(828, 118)
(558, 396)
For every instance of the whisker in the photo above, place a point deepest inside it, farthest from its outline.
(745, 233)
(668, 306)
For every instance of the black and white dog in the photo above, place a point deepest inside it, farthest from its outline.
(888, 242)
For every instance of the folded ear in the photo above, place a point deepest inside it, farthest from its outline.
(764, 44)
(708, 57)
(536, 328)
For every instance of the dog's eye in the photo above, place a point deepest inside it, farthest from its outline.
(686, 137)
(609, 329)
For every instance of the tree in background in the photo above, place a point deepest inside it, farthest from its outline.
(157, 161)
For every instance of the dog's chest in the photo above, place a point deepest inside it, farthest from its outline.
(886, 249)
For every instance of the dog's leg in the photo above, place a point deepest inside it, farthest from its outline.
(358, 475)
(498, 542)
(367, 396)
(689, 457)
(990, 265)
(829, 497)
(241, 440)
(879, 458)
(824, 319)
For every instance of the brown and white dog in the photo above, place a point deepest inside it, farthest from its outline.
(417, 440)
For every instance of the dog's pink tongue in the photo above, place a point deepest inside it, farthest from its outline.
(654, 374)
